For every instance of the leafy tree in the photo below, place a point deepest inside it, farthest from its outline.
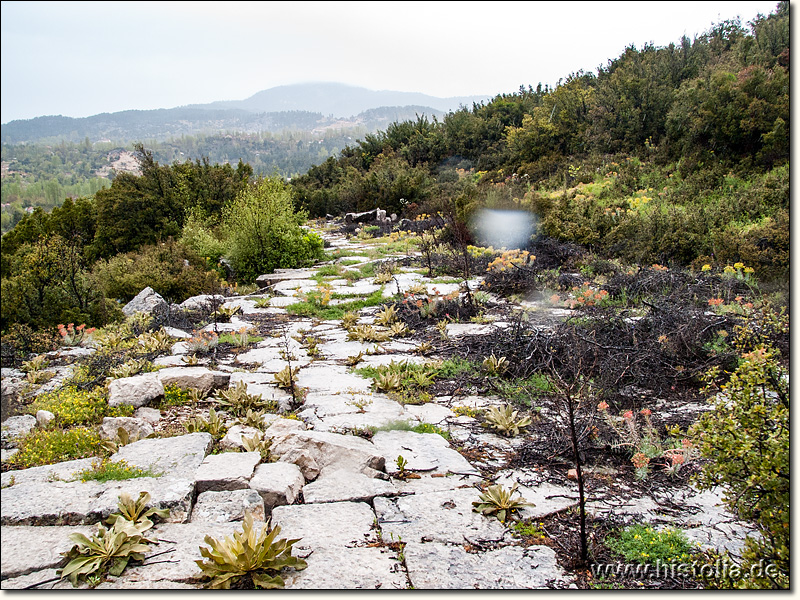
(263, 231)
(746, 438)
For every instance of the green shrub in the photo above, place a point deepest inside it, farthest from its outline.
(644, 545)
(72, 406)
(263, 231)
(746, 436)
(46, 447)
(430, 428)
(160, 267)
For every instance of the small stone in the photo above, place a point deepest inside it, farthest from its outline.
(15, 428)
(226, 506)
(137, 391)
(44, 418)
(226, 471)
(277, 483)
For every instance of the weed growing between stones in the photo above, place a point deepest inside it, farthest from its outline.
(106, 470)
(47, 447)
(249, 559)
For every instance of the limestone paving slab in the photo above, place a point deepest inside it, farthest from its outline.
(229, 505)
(331, 378)
(26, 549)
(78, 503)
(184, 541)
(349, 568)
(329, 449)
(445, 516)
(428, 452)
(199, 378)
(344, 485)
(226, 471)
(277, 483)
(178, 456)
(321, 525)
(442, 566)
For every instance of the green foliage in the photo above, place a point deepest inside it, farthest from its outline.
(237, 401)
(339, 311)
(73, 406)
(110, 549)
(500, 502)
(505, 420)
(250, 556)
(257, 443)
(160, 267)
(107, 551)
(431, 428)
(263, 231)
(176, 396)
(214, 425)
(46, 447)
(746, 436)
(644, 545)
(287, 377)
(106, 470)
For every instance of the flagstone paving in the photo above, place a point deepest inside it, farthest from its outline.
(361, 522)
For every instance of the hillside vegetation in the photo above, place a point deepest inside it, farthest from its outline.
(672, 155)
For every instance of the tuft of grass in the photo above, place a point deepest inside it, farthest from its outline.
(106, 470)
(334, 313)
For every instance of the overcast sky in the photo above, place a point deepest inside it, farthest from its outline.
(83, 58)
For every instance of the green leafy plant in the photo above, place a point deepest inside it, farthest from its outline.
(237, 400)
(424, 348)
(202, 343)
(249, 557)
(287, 377)
(387, 316)
(398, 330)
(500, 502)
(45, 447)
(107, 551)
(224, 313)
(644, 545)
(110, 549)
(106, 470)
(352, 361)
(505, 420)
(156, 341)
(257, 443)
(74, 406)
(253, 418)
(366, 333)
(349, 319)
(494, 365)
(746, 436)
(431, 428)
(213, 425)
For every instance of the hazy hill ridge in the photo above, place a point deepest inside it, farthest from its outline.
(302, 107)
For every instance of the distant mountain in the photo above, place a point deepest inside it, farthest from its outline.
(312, 107)
(338, 100)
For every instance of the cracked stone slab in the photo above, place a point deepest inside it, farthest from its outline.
(441, 566)
(321, 525)
(184, 540)
(226, 506)
(27, 549)
(226, 471)
(331, 378)
(329, 449)
(47, 473)
(445, 516)
(423, 451)
(340, 568)
(178, 456)
(344, 485)
(277, 483)
(80, 503)
(38, 577)
(199, 378)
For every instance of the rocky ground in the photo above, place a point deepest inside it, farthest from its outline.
(333, 480)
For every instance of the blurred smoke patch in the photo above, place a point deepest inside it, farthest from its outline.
(503, 228)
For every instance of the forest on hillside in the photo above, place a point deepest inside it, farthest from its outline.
(673, 155)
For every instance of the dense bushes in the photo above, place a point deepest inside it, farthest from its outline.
(170, 268)
(263, 231)
(746, 436)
